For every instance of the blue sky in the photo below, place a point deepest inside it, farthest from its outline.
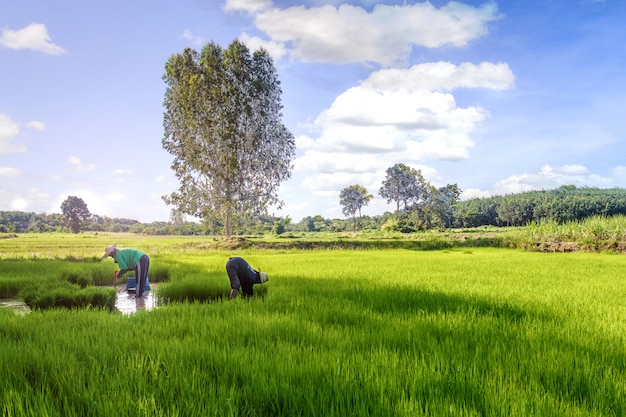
(499, 97)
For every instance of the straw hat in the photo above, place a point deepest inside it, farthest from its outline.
(108, 251)
(264, 277)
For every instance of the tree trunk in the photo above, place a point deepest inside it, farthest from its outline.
(227, 228)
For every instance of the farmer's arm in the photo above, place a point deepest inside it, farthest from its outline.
(233, 293)
(121, 262)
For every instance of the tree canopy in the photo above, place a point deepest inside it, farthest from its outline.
(353, 199)
(222, 123)
(75, 213)
(404, 186)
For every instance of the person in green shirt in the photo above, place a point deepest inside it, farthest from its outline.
(130, 260)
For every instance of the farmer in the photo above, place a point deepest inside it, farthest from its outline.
(130, 260)
(243, 276)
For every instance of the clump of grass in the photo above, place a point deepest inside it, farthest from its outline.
(159, 274)
(81, 277)
(593, 233)
(192, 289)
(63, 294)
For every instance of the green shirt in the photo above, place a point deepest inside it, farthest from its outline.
(127, 259)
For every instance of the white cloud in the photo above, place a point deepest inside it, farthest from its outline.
(76, 165)
(276, 50)
(400, 115)
(250, 6)
(388, 118)
(34, 37)
(19, 204)
(443, 76)
(9, 130)
(123, 171)
(9, 173)
(24, 199)
(36, 125)
(386, 35)
(195, 40)
(552, 177)
(95, 203)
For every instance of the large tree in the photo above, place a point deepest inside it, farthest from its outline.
(353, 199)
(222, 123)
(75, 213)
(438, 206)
(403, 185)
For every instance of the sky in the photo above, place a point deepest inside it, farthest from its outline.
(498, 97)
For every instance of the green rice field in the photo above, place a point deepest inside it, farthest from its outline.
(382, 331)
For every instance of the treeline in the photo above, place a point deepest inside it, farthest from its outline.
(564, 204)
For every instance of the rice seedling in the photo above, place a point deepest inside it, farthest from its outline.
(475, 332)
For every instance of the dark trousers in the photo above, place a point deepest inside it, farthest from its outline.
(141, 273)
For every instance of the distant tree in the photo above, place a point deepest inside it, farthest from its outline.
(75, 213)
(353, 198)
(176, 217)
(223, 125)
(404, 186)
(439, 203)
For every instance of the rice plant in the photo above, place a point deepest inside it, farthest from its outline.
(384, 332)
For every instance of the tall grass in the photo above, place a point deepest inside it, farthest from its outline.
(473, 332)
(593, 233)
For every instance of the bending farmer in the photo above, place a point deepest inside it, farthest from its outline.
(130, 260)
(243, 276)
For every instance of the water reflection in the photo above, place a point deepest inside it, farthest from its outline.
(16, 305)
(128, 302)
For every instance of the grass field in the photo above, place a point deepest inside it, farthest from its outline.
(339, 332)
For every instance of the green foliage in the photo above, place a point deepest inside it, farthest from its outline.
(561, 205)
(485, 332)
(353, 199)
(49, 294)
(194, 289)
(223, 125)
(75, 213)
(404, 186)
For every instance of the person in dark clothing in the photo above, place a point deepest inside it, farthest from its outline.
(242, 277)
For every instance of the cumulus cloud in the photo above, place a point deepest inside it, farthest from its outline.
(395, 115)
(385, 35)
(36, 125)
(10, 173)
(76, 165)
(550, 177)
(19, 204)
(392, 116)
(34, 37)
(443, 76)
(9, 130)
(276, 50)
(24, 199)
(249, 6)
